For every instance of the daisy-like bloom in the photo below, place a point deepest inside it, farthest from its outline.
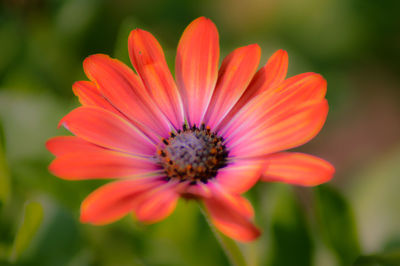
(209, 135)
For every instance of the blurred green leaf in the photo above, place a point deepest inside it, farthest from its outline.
(289, 232)
(83, 14)
(2, 136)
(11, 43)
(59, 241)
(337, 225)
(375, 200)
(4, 263)
(231, 248)
(391, 258)
(5, 186)
(4, 250)
(31, 221)
(168, 240)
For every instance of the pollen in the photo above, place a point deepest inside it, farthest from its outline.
(192, 154)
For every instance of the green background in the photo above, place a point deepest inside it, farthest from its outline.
(354, 44)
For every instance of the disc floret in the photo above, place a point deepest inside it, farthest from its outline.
(192, 154)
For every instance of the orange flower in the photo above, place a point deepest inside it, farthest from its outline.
(208, 135)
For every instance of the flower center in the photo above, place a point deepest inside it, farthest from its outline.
(193, 154)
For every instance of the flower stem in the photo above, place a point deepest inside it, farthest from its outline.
(228, 245)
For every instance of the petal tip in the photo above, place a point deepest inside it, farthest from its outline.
(135, 32)
(84, 218)
(52, 169)
(254, 48)
(75, 88)
(93, 59)
(253, 235)
(202, 22)
(202, 19)
(47, 144)
(282, 52)
(61, 123)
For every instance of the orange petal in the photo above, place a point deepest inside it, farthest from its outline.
(108, 130)
(232, 200)
(157, 204)
(296, 97)
(301, 88)
(239, 176)
(148, 59)
(231, 214)
(268, 77)
(281, 131)
(292, 93)
(126, 92)
(114, 200)
(100, 163)
(89, 95)
(235, 73)
(272, 74)
(196, 67)
(68, 144)
(298, 169)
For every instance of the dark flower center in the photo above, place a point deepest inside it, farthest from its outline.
(193, 154)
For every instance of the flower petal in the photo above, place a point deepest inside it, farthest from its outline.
(199, 190)
(293, 92)
(148, 59)
(239, 176)
(157, 204)
(196, 67)
(298, 169)
(281, 131)
(108, 130)
(100, 163)
(300, 97)
(235, 74)
(125, 91)
(113, 201)
(232, 200)
(68, 144)
(268, 77)
(271, 75)
(231, 214)
(89, 95)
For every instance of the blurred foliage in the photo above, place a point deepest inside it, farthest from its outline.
(354, 44)
(289, 232)
(337, 225)
(32, 218)
(5, 187)
(384, 259)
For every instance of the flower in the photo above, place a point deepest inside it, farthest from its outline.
(208, 135)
